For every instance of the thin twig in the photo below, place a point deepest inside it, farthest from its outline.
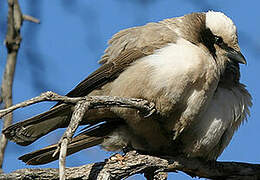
(31, 19)
(43, 97)
(95, 102)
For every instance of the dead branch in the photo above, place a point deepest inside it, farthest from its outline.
(135, 163)
(80, 109)
(12, 42)
(143, 106)
(31, 19)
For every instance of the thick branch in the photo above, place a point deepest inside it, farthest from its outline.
(134, 163)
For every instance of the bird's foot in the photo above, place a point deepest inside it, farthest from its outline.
(148, 110)
(117, 157)
(151, 110)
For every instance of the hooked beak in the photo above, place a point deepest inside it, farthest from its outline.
(236, 56)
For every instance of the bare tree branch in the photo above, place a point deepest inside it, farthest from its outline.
(143, 106)
(80, 109)
(12, 42)
(134, 163)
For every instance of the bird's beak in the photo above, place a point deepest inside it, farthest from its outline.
(236, 56)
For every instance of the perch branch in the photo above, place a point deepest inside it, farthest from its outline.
(135, 163)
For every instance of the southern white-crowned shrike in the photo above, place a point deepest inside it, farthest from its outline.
(188, 66)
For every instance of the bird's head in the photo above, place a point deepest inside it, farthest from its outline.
(224, 36)
(212, 30)
(217, 34)
(224, 44)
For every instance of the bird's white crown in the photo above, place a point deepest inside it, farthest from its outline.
(220, 24)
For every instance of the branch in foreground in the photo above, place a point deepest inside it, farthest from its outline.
(143, 106)
(80, 109)
(134, 163)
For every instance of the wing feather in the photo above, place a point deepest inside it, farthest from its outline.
(125, 47)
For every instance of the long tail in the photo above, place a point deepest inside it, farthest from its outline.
(28, 131)
(86, 139)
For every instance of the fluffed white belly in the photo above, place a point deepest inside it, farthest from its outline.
(208, 137)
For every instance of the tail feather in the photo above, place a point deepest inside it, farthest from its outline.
(86, 139)
(28, 131)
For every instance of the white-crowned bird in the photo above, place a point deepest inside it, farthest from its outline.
(187, 66)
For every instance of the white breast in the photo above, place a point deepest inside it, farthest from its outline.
(176, 62)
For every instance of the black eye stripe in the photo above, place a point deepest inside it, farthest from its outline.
(208, 39)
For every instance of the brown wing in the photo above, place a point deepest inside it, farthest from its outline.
(146, 38)
(125, 47)
(106, 73)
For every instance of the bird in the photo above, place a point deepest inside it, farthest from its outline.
(188, 66)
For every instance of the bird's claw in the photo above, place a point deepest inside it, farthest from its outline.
(151, 110)
(117, 157)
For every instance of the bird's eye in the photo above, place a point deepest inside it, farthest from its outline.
(218, 40)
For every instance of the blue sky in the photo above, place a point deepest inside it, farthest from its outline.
(62, 50)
